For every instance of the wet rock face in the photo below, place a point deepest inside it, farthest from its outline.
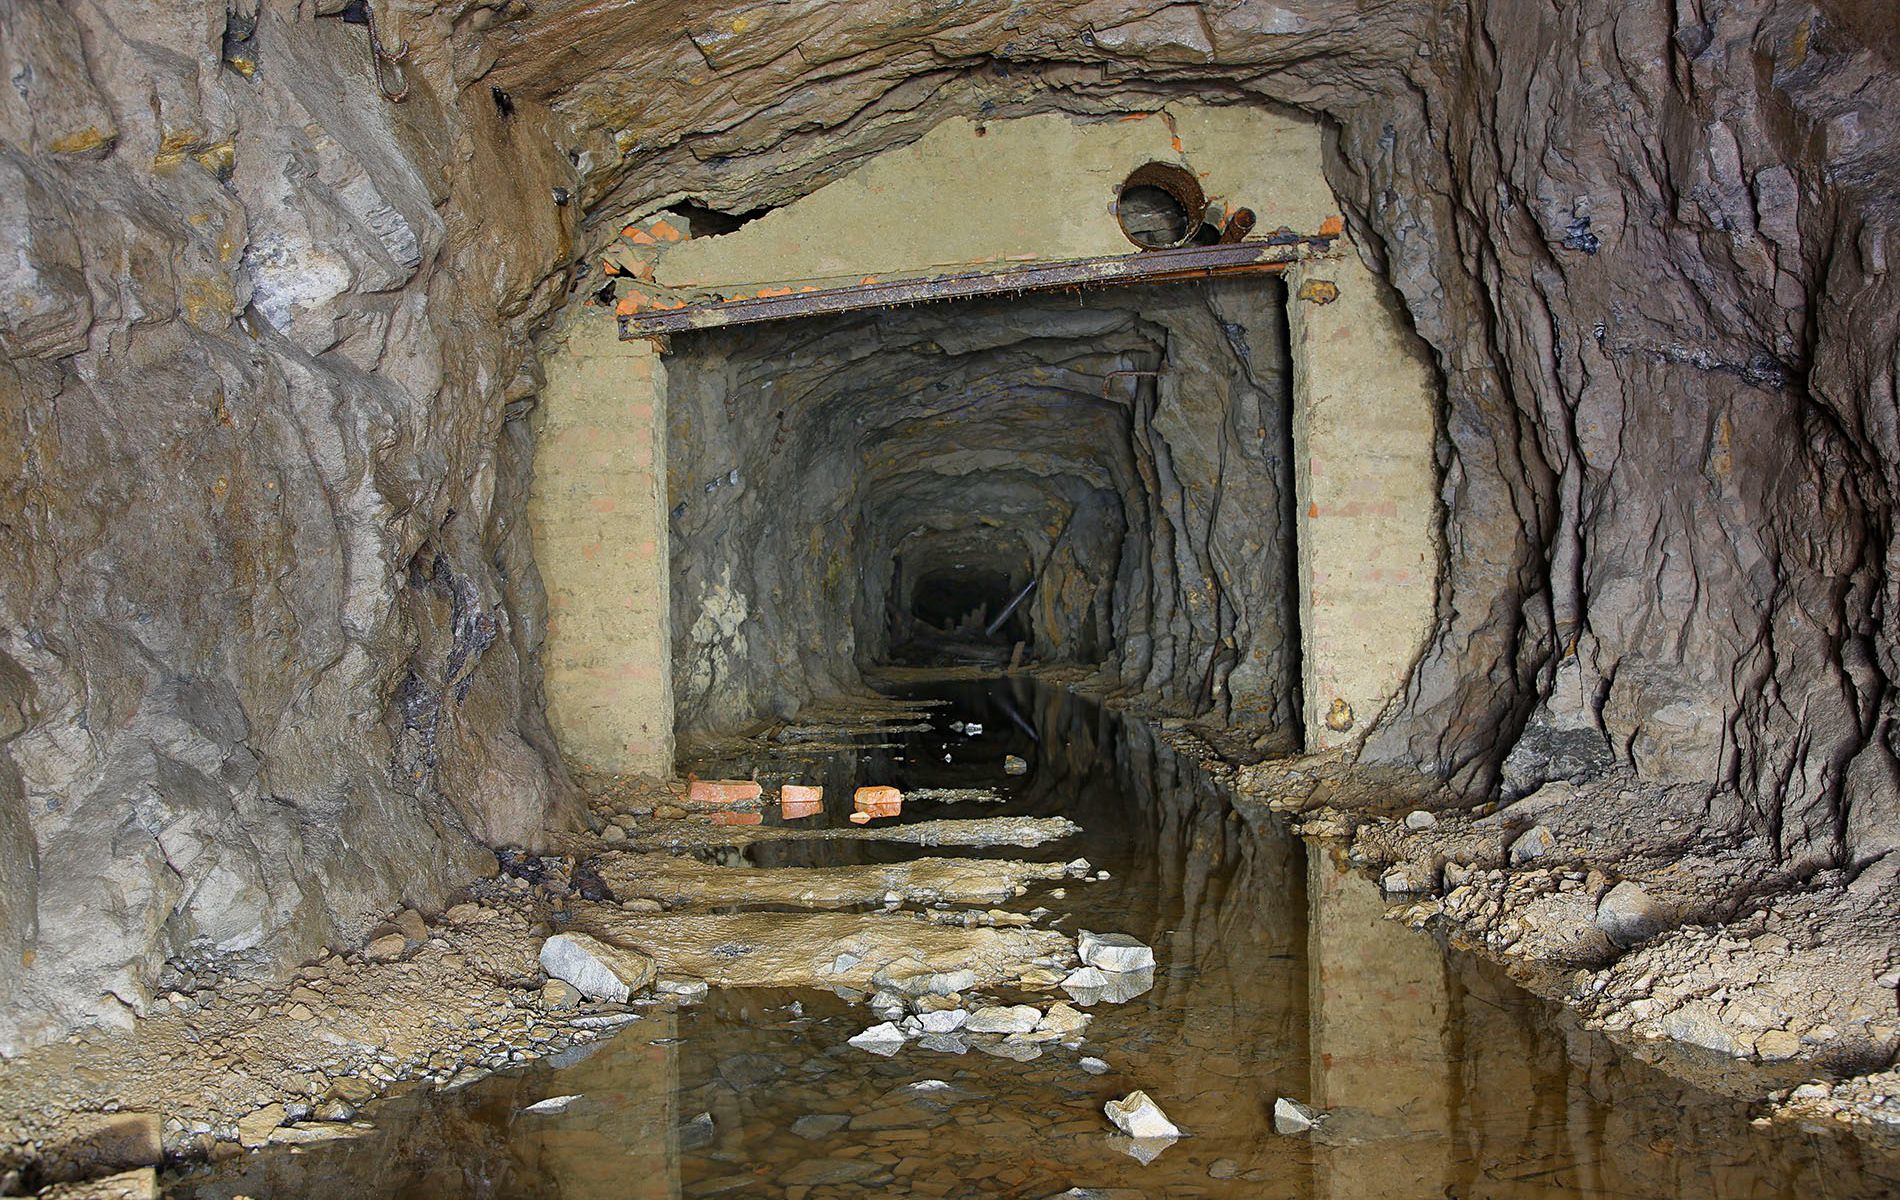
(1125, 451)
(266, 621)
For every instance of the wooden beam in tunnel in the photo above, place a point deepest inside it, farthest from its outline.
(1151, 266)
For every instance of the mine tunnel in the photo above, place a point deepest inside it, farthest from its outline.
(849, 598)
(1122, 454)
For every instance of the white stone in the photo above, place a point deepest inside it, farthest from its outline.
(553, 1104)
(1093, 1065)
(1138, 1116)
(1630, 915)
(947, 1020)
(600, 971)
(1418, 819)
(1004, 1018)
(1086, 985)
(886, 1039)
(1092, 985)
(1113, 951)
(1291, 1117)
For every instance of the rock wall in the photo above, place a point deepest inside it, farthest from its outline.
(269, 612)
(814, 462)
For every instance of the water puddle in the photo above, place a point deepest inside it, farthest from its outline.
(1277, 976)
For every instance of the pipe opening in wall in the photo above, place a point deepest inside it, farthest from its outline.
(1160, 205)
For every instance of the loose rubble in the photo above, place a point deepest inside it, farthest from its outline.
(1138, 1116)
(597, 970)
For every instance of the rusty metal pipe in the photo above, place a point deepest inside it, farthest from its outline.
(990, 629)
(1108, 380)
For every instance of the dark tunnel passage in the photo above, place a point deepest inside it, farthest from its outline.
(855, 490)
(973, 601)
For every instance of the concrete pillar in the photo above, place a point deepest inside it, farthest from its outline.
(597, 509)
(1364, 430)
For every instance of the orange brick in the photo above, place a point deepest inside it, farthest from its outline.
(796, 801)
(877, 802)
(722, 793)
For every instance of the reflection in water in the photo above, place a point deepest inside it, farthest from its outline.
(1278, 975)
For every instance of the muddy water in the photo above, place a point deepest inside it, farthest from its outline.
(1278, 977)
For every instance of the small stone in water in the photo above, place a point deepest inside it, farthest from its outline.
(941, 1021)
(686, 991)
(1138, 1116)
(1291, 1117)
(819, 1125)
(1064, 1020)
(886, 1039)
(945, 1043)
(1113, 951)
(1093, 1065)
(697, 1132)
(1011, 1018)
(1012, 765)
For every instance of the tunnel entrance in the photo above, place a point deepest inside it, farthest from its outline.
(1098, 480)
(740, 504)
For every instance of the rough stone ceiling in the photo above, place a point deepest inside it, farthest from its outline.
(787, 95)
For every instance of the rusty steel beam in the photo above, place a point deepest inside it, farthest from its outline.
(1151, 266)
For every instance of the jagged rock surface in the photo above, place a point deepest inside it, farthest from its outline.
(267, 612)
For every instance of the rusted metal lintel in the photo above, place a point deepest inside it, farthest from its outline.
(1152, 266)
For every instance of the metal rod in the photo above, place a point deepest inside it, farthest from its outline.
(990, 629)
(1108, 380)
(1152, 266)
